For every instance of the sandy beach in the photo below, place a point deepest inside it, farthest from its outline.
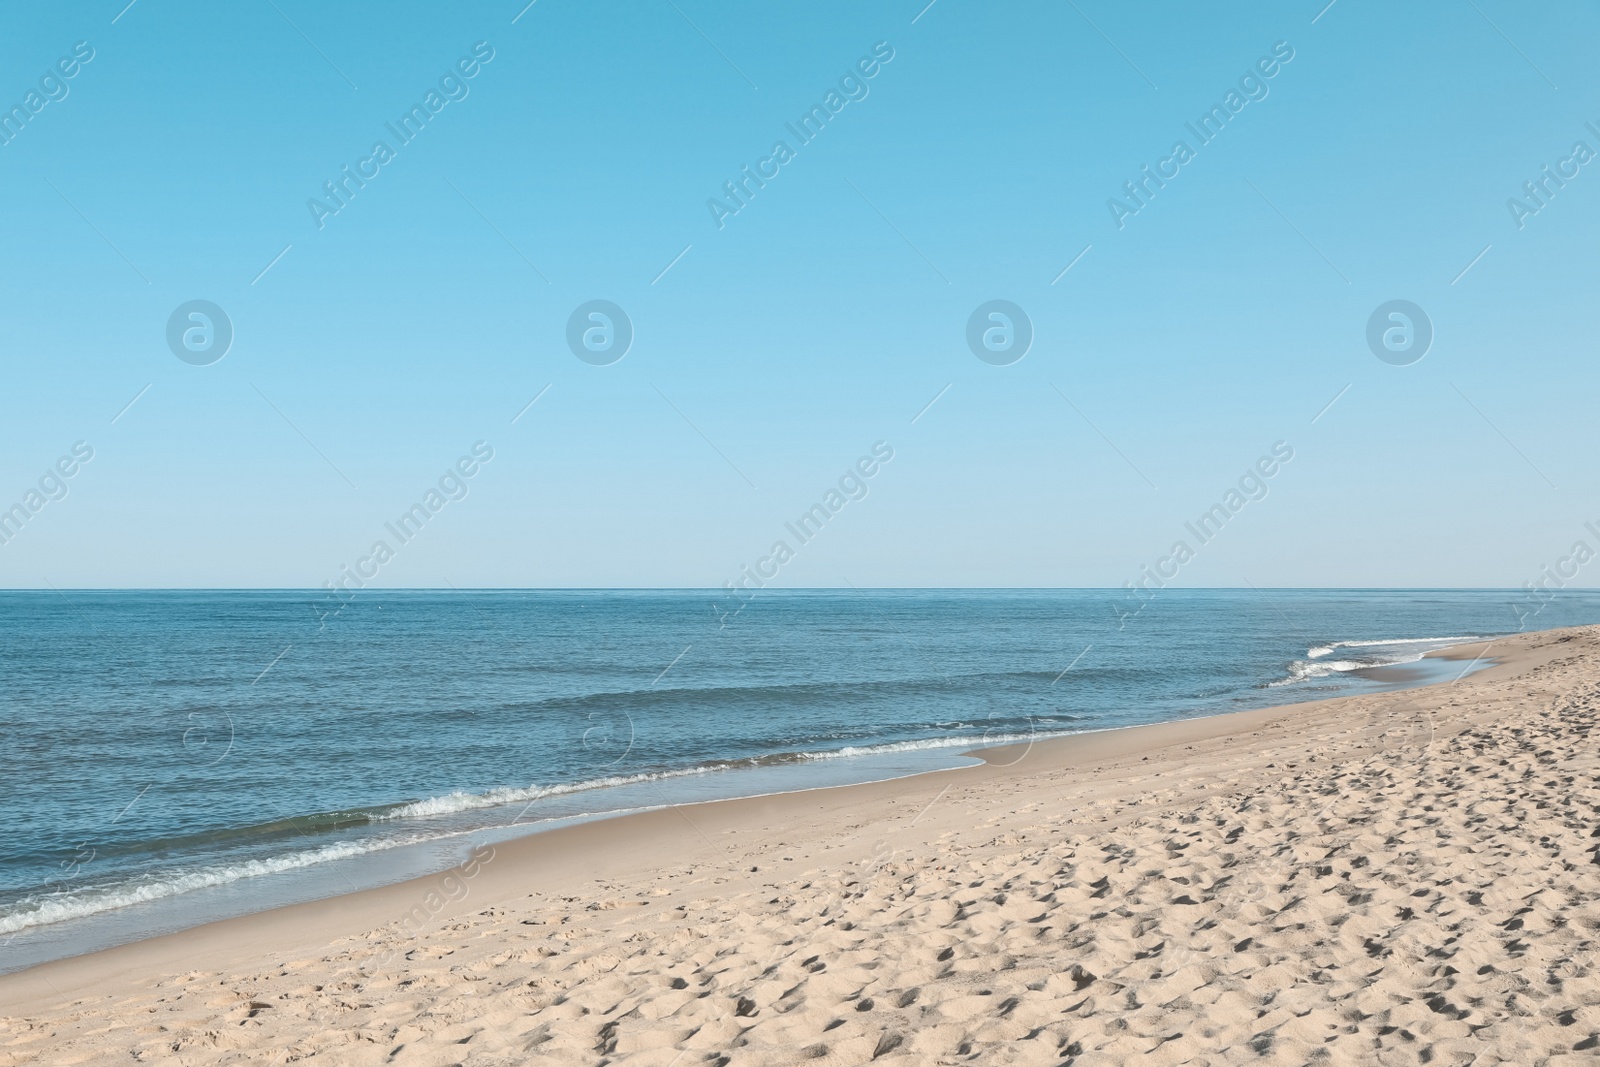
(1396, 878)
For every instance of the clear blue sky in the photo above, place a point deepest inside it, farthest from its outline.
(577, 163)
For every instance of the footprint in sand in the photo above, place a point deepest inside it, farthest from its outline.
(1401, 728)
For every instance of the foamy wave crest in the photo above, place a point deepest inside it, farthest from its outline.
(1443, 642)
(43, 910)
(1301, 669)
(54, 908)
(932, 743)
(1384, 653)
(458, 801)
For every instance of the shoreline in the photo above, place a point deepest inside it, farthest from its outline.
(407, 862)
(566, 849)
(1401, 876)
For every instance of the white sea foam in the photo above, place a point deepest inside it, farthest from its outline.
(1443, 642)
(45, 909)
(459, 801)
(1300, 669)
(1315, 665)
(42, 910)
(931, 743)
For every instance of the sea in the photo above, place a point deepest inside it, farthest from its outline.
(171, 758)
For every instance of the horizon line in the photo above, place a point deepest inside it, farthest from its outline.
(785, 589)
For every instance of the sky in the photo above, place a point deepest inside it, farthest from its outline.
(1181, 341)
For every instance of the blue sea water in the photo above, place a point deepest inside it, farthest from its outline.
(171, 757)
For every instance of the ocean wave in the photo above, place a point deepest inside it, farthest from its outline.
(1300, 670)
(1316, 665)
(42, 910)
(1443, 642)
(710, 697)
(459, 801)
(980, 741)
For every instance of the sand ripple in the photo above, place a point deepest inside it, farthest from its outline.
(1409, 881)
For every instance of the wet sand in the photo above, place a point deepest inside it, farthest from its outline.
(1404, 877)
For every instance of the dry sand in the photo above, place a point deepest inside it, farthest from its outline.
(1399, 878)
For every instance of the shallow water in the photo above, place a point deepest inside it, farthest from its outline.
(180, 756)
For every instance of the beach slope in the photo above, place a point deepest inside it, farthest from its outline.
(1405, 877)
